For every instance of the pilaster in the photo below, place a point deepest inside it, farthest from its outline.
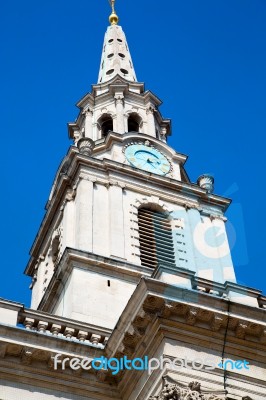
(119, 103)
(100, 220)
(88, 124)
(84, 204)
(151, 123)
(116, 212)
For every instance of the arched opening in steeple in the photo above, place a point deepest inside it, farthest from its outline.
(134, 122)
(155, 237)
(105, 124)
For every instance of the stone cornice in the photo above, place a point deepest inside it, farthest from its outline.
(155, 309)
(150, 96)
(27, 356)
(127, 137)
(116, 79)
(154, 299)
(10, 305)
(88, 98)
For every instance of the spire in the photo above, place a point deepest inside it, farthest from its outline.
(116, 59)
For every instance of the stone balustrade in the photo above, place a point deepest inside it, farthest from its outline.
(231, 291)
(63, 327)
(187, 279)
(206, 286)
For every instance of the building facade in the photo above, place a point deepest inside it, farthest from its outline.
(131, 262)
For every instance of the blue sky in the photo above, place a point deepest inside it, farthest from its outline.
(204, 58)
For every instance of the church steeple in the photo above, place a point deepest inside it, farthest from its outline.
(118, 102)
(122, 205)
(116, 59)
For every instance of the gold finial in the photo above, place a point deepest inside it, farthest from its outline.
(113, 17)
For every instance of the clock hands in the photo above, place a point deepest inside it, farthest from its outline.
(151, 160)
(148, 160)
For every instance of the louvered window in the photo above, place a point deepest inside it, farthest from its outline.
(155, 237)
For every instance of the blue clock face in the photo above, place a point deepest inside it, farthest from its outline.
(148, 159)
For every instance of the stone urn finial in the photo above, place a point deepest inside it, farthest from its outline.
(206, 182)
(85, 146)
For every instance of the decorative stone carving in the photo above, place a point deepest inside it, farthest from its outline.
(70, 194)
(217, 322)
(241, 330)
(206, 182)
(76, 135)
(177, 391)
(85, 146)
(56, 244)
(167, 310)
(163, 134)
(119, 99)
(26, 356)
(150, 110)
(180, 309)
(153, 304)
(192, 315)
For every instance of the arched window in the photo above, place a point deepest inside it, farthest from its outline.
(155, 238)
(133, 122)
(106, 124)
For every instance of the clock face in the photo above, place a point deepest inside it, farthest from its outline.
(148, 159)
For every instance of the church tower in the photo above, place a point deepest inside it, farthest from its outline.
(131, 267)
(122, 206)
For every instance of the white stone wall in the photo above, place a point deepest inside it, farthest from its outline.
(64, 305)
(43, 274)
(94, 297)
